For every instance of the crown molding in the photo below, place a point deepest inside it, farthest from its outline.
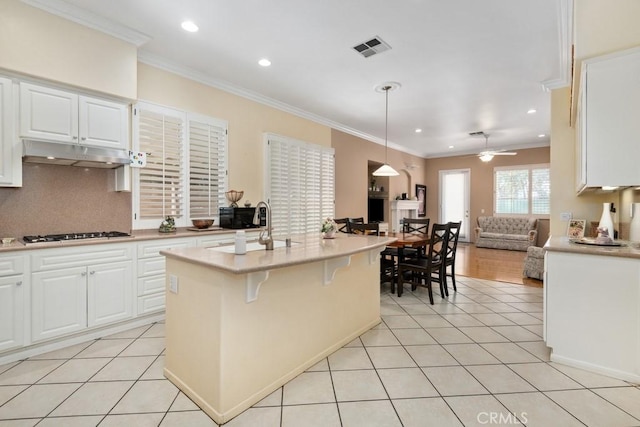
(565, 35)
(191, 74)
(83, 17)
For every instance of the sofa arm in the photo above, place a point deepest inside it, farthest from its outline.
(533, 236)
(478, 231)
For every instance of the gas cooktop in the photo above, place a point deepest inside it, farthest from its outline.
(74, 236)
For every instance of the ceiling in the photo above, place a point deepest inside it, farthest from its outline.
(463, 65)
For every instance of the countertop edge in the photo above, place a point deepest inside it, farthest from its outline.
(563, 244)
(194, 255)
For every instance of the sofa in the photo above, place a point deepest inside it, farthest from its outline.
(506, 233)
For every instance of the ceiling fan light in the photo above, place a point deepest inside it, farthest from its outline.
(486, 157)
(385, 170)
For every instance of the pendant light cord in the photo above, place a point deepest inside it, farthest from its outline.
(386, 121)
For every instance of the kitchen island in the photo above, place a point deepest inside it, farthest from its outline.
(592, 307)
(240, 326)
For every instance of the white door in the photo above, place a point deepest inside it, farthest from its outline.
(48, 114)
(103, 123)
(454, 199)
(11, 312)
(58, 302)
(109, 293)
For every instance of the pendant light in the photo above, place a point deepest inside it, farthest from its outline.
(385, 169)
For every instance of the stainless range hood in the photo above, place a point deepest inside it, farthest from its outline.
(73, 155)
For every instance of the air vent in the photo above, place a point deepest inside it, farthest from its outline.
(371, 47)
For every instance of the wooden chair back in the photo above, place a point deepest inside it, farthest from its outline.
(415, 225)
(370, 228)
(343, 224)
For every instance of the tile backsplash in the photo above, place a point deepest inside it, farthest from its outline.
(63, 199)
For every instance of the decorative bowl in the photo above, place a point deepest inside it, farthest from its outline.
(234, 197)
(202, 223)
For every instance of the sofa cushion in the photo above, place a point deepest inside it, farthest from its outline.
(507, 225)
(501, 236)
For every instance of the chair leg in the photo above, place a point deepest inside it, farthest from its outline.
(399, 282)
(453, 276)
(444, 289)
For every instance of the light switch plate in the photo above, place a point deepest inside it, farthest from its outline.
(565, 216)
(173, 284)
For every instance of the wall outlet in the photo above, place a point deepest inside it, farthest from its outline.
(565, 216)
(482, 211)
(173, 284)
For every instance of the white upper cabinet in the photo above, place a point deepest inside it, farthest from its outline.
(10, 152)
(60, 116)
(609, 121)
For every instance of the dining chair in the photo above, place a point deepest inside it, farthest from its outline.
(415, 225)
(358, 220)
(423, 271)
(387, 264)
(343, 224)
(450, 257)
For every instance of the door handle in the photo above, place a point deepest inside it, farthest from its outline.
(92, 273)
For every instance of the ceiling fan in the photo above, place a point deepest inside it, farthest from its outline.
(487, 154)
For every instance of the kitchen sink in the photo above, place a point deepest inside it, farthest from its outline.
(252, 246)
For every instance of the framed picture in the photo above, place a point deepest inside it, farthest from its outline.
(421, 194)
(576, 228)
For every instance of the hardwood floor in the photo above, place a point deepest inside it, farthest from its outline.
(493, 264)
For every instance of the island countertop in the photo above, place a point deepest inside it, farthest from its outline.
(563, 244)
(304, 249)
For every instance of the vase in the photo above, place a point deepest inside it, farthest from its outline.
(606, 220)
(329, 234)
(634, 226)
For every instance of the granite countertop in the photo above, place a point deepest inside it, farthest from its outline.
(305, 249)
(627, 249)
(136, 235)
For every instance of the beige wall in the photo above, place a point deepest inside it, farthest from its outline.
(481, 177)
(248, 120)
(36, 43)
(353, 178)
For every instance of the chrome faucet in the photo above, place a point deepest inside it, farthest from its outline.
(268, 241)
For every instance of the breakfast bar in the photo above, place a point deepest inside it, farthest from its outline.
(240, 326)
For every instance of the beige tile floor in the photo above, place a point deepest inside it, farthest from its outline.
(475, 359)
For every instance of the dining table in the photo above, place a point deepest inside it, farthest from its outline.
(408, 240)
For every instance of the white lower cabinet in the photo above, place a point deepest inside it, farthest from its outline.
(11, 312)
(151, 276)
(74, 289)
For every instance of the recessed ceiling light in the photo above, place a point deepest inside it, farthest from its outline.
(50, 157)
(542, 135)
(189, 26)
(418, 130)
(451, 146)
(531, 111)
(264, 62)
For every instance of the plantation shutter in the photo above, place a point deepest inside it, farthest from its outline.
(207, 166)
(160, 189)
(300, 185)
(540, 191)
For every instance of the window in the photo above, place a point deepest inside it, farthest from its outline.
(522, 190)
(300, 185)
(207, 166)
(185, 174)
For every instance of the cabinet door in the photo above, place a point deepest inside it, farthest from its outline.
(10, 152)
(103, 123)
(48, 114)
(58, 302)
(110, 293)
(11, 312)
(612, 125)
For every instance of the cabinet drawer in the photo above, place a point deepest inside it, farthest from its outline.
(53, 259)
(151, 285)
(152, 249)
(151, 303)
(10, 265)
(151, 266)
